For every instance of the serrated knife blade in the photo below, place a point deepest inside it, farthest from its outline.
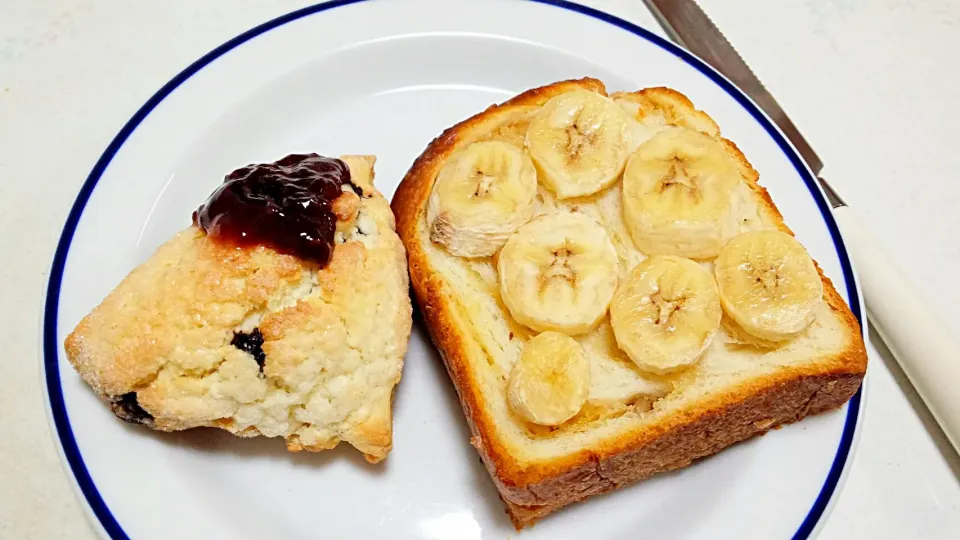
(690, 27)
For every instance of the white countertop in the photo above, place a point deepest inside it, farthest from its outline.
(871, 83)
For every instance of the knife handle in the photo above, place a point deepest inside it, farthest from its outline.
(924, 347)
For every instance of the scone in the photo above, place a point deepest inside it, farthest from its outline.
(612, 291)
(283, 311)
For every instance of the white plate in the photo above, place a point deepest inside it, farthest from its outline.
(385, 78)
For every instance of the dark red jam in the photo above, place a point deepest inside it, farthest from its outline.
(285, 205)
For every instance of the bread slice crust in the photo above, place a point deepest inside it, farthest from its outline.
(532, 490)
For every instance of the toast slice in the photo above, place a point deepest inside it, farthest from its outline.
(258, 342)
(634, 424)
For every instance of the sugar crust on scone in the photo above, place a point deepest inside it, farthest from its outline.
(334, 338)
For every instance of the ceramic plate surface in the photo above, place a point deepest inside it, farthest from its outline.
(385, 78)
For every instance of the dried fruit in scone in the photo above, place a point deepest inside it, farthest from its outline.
(282, 311)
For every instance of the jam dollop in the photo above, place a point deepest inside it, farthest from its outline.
(286, 205)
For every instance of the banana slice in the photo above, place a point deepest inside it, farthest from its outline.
(549, 383)
(580, 141)
(679, 195)
(558, 272)
(768, 284)
(480, 197)
(666, 313)
(660, 107)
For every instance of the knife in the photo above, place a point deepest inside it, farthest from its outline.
(924, 347)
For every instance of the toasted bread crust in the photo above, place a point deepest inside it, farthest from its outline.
(533, 490)
(712, 431)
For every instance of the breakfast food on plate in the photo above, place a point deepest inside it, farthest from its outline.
(558, 272)
(473, 216)
(768, 285)
(629, 303)
(282, 311)
(548, 384)
(680, 194)
(665, 313)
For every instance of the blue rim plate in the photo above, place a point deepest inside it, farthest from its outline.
(52, 349)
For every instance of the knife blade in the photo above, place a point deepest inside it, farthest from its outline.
(690, 27)
(925, 348)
